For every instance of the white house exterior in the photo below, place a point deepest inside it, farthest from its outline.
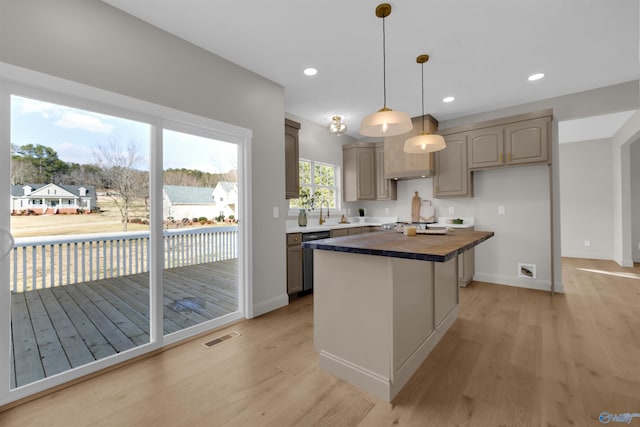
(52, 198)
(179, 201)
(226, 196)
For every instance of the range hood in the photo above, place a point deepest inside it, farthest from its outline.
(401, 165)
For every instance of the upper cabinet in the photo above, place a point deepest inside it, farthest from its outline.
(401, 165)
(291, 159)
(528, 141)
(359, 171)
(386, 189)
(517, 143)
(486, 148)
(453, 178)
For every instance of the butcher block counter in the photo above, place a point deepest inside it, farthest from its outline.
(382, 301)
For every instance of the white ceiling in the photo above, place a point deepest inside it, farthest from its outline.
(481, 51)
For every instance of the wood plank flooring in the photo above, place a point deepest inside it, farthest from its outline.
(515, 357)
(57, 329)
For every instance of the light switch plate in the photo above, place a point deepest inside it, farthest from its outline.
(276, 212)
(500, 210)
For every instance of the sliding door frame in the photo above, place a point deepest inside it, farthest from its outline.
(27, 83)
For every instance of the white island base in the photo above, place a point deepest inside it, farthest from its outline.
(377, 318)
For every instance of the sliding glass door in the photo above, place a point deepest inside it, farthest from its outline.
(200, 215)
(79, 206)
(119, 230)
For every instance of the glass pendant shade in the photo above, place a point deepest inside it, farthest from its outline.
(386, 122)
(337, 127)
(424, 143)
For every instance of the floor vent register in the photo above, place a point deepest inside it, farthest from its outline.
(221, 339)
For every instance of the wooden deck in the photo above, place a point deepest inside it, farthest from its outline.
(57, 329)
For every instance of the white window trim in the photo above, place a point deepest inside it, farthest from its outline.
(293, 212)
(31, 84)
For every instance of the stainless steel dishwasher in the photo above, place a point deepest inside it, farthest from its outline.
(307, 258)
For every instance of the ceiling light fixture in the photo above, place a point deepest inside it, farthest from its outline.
(336, 127)
(385, 122)
(310, 71)
(424, 142)
(449, 99)
(534, 77)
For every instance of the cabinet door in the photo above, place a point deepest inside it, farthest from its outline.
(291, 158)
(366, 174)
(486, 148)
(294, 269)
(386, 189)
(527, 141)
(453, 178)
(359, 172)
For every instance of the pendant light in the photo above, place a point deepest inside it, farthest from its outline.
(337, 127)
(385, 122)
(424, 142)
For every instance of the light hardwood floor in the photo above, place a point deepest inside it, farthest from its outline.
(514, 357)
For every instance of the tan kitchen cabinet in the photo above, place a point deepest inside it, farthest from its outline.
(453, 178)
(386, 189)
(294, 263)
(339, 232)
(291, 159)
(528, 141)
(359, 171)
(511, 144)
(486, 147)
(355, 230)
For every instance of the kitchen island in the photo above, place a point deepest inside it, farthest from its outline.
(382, 301)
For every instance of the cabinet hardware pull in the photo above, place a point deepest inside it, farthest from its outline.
(500, 157)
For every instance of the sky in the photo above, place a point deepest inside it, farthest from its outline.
(76, 135)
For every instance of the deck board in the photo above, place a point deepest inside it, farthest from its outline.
(56, 329)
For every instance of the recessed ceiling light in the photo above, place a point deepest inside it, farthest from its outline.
(310, 71)
(537, 76)
(448, 99)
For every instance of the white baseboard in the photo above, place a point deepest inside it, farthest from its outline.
(587, 255)
(541, 285)
(271, 304)
(362, 378)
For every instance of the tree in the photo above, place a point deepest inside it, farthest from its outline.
(45, 161)
(121, 175)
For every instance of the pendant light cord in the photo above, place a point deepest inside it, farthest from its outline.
(422, 76)
(384, 65)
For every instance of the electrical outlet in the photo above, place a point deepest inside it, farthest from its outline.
(587, 243)
(451, 210)
(500, 210)
(386, 211)
(276, 212)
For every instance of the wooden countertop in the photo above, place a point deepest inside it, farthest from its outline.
(425, 247)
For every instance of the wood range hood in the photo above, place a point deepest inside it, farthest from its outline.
(400, 165)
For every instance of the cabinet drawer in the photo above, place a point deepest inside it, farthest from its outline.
(340, 232)
(294, 238)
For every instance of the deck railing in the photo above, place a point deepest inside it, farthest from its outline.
(44, 262)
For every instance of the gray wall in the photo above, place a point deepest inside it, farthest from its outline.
(586, 183)
(90, 42)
